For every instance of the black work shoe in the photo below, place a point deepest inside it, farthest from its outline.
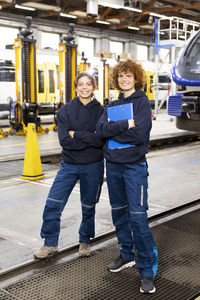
(119, 264)
(147, 285)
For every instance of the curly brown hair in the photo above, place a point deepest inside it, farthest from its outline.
(133, 67)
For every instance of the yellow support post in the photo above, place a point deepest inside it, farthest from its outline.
(103, 80)
(67, 66)
(67, 71)
(106, 81)
(73, 70)
(61, 71)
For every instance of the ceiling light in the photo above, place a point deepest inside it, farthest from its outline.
(157, 15)
(68, 16)
(102, 22)
(115, 21)
(132, 9)
(109, 4)
(42, 6)
(133, 28)
(182, 37)
(24, 7)
(79, 13)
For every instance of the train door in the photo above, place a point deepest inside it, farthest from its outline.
(41, 83)
(51, 82)
(47, 82)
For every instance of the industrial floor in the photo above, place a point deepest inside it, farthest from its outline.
(177, 277)
(173, 181)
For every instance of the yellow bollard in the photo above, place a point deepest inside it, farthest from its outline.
(32, 161)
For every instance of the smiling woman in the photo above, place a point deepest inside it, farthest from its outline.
(82, 156)
(85, 85)
(127, 172)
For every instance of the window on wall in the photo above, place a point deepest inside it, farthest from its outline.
(116, 47)
(8, 36)
(142, 52)
(86, 45)
(49, 40)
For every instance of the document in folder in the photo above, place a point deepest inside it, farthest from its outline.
(116, 113)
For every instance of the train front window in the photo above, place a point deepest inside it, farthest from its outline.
(51, 82)
(195, 50)
(7, 74)
(41, 81)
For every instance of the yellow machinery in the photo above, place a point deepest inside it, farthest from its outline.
(26, 107)
(103, 81)
(1, 133)
(149, 87)
(67, 71)
(84, 65)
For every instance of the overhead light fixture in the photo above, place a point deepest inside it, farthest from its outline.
(132, 9)
(110, 4)
(133, 28)
(182, 37)
(117, 4)
(1, 6)
(42, 6)
(78, 13)
(24, 7)
(114, 21)
(67, 16)
(157, 15)
(102, 22)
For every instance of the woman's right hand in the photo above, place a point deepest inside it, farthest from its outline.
(131, 124)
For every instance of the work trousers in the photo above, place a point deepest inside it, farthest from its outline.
(127, 186)
(91, 180)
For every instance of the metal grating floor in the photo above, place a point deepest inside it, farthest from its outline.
(178, 243)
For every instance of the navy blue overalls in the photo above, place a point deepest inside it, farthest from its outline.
(127, 185)
(82, 160)
(91, 180)
(127, 174)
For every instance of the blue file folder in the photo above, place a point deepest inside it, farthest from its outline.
(116, 113)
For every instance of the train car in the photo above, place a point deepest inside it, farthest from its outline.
(185, 104)
(7, 83)
(47, 83)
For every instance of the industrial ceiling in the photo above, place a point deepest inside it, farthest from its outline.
(123, 15)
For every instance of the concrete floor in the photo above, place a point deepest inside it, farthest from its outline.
(174, 180)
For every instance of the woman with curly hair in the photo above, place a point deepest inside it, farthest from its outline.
(127, 173)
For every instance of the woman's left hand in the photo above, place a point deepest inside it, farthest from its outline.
(71, 133)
